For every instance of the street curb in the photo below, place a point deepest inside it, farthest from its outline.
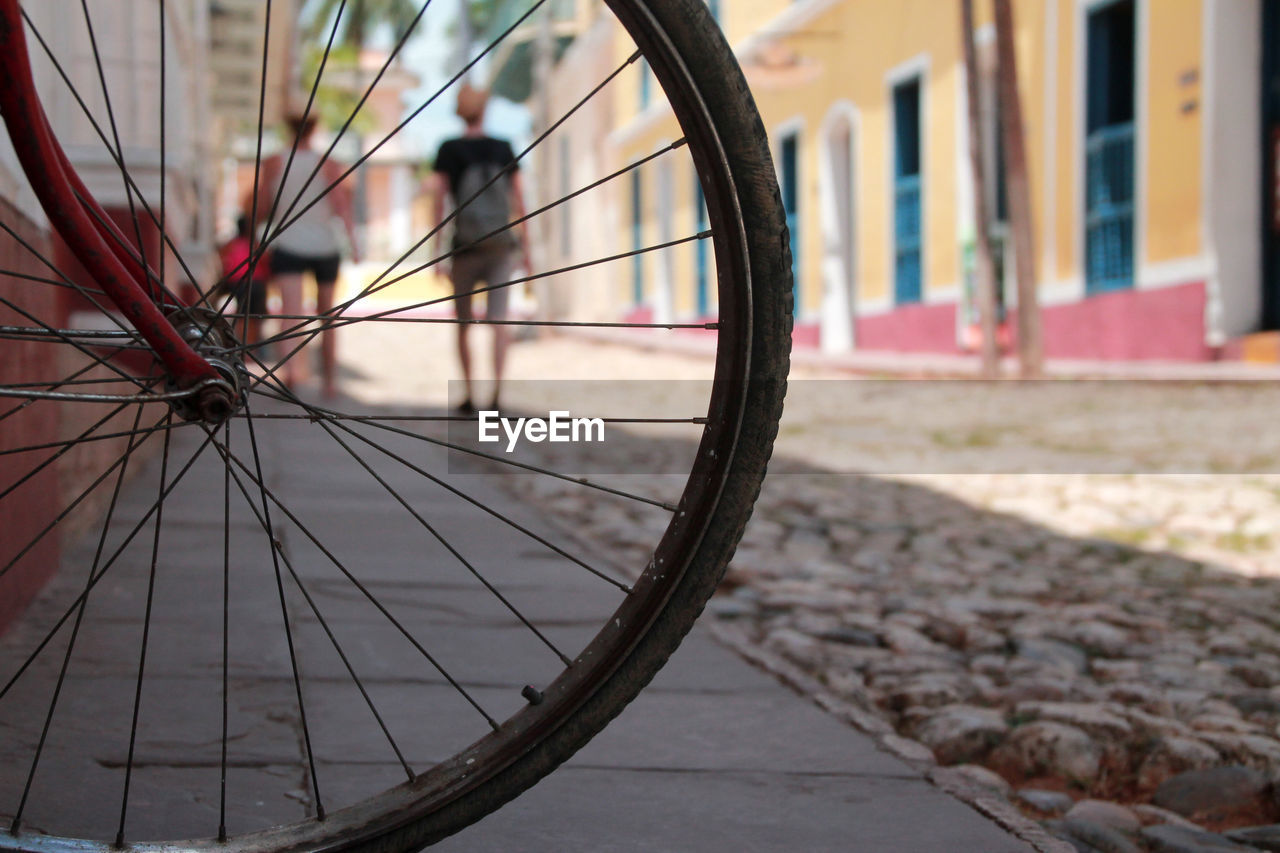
(885, 364)
(915, 754)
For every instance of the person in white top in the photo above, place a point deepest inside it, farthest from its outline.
(311, 243)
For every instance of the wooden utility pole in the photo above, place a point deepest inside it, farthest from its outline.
(984, 272)
(1030, 342)
(549, 307)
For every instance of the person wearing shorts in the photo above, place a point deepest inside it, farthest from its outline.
(324, 268)
(490, 264)
(311, 244)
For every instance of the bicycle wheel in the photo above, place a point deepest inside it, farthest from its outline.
(478, 721)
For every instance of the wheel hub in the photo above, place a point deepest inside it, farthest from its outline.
(210, 335)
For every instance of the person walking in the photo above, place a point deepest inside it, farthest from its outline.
(310, 244)
(481, 175)
(245, 281)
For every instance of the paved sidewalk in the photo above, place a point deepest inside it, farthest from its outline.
(717, 757)
(714, 756)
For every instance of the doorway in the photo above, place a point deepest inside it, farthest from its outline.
(839, 249)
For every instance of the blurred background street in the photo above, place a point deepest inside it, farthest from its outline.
(1056, 593)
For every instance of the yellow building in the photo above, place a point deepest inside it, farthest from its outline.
(1152, 134)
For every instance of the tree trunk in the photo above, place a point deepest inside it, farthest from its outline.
(1030, 345)
(543, 234)
(466, 36)
(356, 27)
(984, 273)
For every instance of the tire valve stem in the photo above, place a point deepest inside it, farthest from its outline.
(531, 694)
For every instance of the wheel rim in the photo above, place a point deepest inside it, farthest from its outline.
(450, 780)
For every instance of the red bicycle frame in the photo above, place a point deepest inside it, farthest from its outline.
(82, 224)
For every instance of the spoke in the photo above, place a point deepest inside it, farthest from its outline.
(103, 343)
(454, 321)
(164, 165)
(66, 447)
(75, 631)
(378, 283)
(73, 383)
(95, 359)
(158, 289)
(257, 158)
(115, 133)
(289, 397)
(32, 333)
(273, 544)
(89, 439)
(581, 481)
(324, 623)
(625, 170)
(109, 231)
(80, 397)
(337, 416)
(146, 634)
(62, 515)
(43, 259)
(52, 282)
(226, 638)
(285, 220)
(57, 626)
(339, 321)
(512, 523)
(255, 257)
(448, 546)
(28, 403)
(404, 123)
(17, 238)
(166, 240)
(359, 585)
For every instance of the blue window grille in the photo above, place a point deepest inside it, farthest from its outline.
(789, 157)
(908, 243)
(1109, 149)
(646, 84)
(637, 238)
(1109, 221)
(907, 272)
(701, 272)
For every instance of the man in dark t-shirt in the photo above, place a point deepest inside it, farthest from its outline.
(481, 176)
(456, 155)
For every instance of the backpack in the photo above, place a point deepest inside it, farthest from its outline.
(485, 207)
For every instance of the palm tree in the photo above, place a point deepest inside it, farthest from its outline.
(339, 105)
(356, 22)
(359, 20)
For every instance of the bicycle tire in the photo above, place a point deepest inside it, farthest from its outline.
(688, 24)
(710, 97)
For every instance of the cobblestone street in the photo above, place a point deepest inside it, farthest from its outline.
(1101, 649)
